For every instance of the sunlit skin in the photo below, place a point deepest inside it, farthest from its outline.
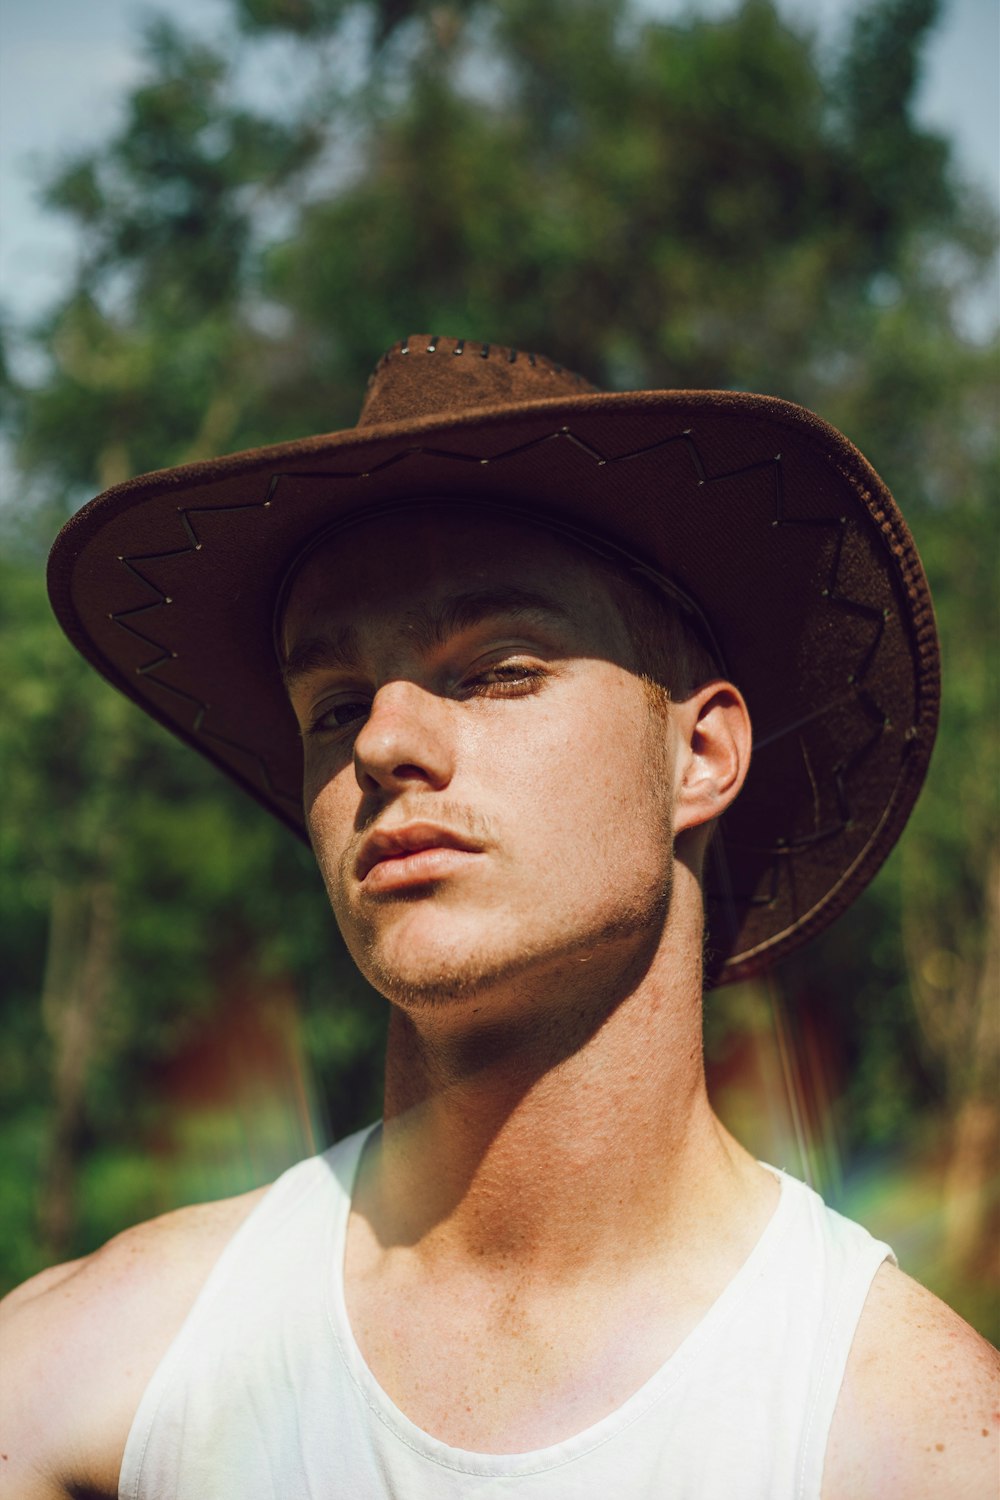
(549, 1153)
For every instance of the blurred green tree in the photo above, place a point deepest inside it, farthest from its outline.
(697, 202)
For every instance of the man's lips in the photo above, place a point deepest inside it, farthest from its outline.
(400, 844)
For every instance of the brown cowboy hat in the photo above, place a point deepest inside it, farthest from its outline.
(768, 520)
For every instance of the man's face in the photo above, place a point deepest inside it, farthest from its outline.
(487, 784)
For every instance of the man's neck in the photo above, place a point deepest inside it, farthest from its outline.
(565, 1146)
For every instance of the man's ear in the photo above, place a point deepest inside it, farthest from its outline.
(713, 750)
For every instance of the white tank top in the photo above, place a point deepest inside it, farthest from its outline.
(264, 1394)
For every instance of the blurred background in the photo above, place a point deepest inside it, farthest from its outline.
(216, 217)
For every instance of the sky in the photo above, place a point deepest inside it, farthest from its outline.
(66, 65)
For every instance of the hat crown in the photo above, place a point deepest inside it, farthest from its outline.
(428, 375)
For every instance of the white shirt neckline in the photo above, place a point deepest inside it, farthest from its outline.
(511, 1465)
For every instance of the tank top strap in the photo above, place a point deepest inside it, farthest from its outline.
(273, 1274)
(849, 1259)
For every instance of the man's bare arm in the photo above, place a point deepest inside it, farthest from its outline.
(79, 1343)
(917, 1417)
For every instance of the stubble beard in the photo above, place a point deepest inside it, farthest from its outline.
(520, 965)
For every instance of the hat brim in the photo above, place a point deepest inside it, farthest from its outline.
(764, 514)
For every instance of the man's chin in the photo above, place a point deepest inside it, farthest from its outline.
(426, 950)
(420, 982)
(428, 956)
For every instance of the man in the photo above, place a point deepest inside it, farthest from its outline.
(509, 615)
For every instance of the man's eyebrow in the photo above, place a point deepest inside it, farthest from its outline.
(428, 628)
(317, 653)
(464, 611)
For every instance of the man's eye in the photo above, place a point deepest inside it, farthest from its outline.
(511, 677)
(338, 716)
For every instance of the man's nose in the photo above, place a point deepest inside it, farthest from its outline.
(405, 739)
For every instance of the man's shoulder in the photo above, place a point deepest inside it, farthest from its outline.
(918, 1413)
(81, 1341)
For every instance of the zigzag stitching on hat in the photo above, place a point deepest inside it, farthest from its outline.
(187, 511)
(686, 438)
(783, 849)
(123, 617)
(388, 463)
(833, 595)
(199, 727)
(138, 557)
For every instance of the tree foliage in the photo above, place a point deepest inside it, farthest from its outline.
(698, 202)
